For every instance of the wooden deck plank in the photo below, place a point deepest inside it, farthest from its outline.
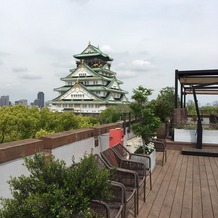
(178, 199)
(212, 185)
(205, 193)
(157, 182)
(168, 201)
(214, 166)
(187, 200)
(165, 180)
(145, 207)
(165, 207)
(149, 202)
(197, 204)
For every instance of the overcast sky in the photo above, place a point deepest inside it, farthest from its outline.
(148, 40)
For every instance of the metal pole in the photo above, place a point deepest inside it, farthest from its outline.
(176, 88)
(199, 124)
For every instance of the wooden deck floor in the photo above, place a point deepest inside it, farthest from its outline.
(186, 186)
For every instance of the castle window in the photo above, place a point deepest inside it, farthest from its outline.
(78, 96)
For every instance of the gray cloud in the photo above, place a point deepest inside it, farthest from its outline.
(19, 70)
(30, 77)
(2, 54)
(63, 65)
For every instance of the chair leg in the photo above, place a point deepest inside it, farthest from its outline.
(136, 205)
(145, 190)
(150, 182)
(124, 211)
(166, 156)
(163, 157)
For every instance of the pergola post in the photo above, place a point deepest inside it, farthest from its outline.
(176, 89)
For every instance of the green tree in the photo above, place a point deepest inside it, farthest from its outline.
(191, 109)
(21, 122)
(164, 104)
(27, 121)
(49, 120)
(7, 125)
(18, 122)
(146, 121)
(109, 115)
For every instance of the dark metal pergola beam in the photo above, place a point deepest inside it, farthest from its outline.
(197, 80)
(202, 92)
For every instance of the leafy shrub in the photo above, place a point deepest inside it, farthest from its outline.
(54, 190)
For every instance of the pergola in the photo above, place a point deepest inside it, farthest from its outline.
(196, 82)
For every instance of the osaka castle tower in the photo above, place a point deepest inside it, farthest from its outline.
(91, 87)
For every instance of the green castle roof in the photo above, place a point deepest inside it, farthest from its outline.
(92, 51)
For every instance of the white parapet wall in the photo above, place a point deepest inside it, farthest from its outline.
(189, 135)
(76, 150)
(12, 168)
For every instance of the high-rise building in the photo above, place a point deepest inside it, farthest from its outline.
(21, 102)
(4, 100)
(90, 87)
(40, 100)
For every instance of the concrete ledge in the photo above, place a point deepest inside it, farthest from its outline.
(98, 130)
(179, 145)
(67, 137)
(200, 152)
(18, 149)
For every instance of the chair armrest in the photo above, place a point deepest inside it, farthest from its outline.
(134, 156)
(128, 178)
(160, 143)
(118, 192)
(100, 207)
(136, 166)
(143, 158)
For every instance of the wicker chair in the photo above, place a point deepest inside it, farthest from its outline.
(161, 146)
(126, 154)
(114, 160)
(112, 208)
(101, 208)
(128, 179)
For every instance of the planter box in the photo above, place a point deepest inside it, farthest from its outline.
(189, 135)
(145, 161)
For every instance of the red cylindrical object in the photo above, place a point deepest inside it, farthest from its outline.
(116, 136)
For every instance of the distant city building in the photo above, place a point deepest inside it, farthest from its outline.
(41, 98)
(21, 102)
(40, 101)
(90, 87)
(4, 100)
